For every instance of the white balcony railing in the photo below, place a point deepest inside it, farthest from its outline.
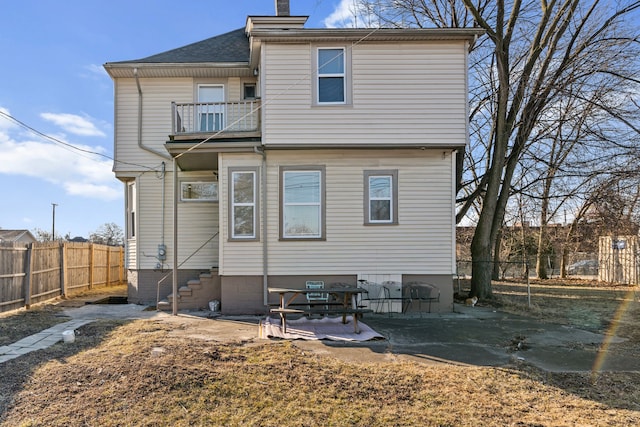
(213, 117)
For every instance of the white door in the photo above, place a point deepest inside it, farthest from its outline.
(211, 107)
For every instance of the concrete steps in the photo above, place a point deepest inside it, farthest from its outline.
(195, 294)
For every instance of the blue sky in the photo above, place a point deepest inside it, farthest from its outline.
(52, 80)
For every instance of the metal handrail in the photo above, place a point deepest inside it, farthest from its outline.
(170, 271)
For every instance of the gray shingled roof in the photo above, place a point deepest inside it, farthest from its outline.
(229, 47)
(14, 235)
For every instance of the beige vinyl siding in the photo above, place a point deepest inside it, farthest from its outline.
(286, 71)
(238, 257)
(157, 96)
(149, 219)
(197, 222)
(132, 253)
(420, 244)
(402, 92)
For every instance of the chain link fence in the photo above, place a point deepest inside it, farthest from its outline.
(579, 265)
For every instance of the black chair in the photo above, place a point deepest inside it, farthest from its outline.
(423, 292)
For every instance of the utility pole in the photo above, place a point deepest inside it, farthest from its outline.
(53, 226)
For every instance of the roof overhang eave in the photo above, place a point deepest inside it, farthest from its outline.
(150, 69)
(379, 146)
(370, 34)
(196, 156)
(194, 147)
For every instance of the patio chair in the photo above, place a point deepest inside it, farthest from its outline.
(395, 292)
(313, 297)
(423, 292)
(374, 295)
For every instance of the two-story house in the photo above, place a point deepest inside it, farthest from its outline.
(277, 154)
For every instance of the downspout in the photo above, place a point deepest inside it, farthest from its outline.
(265, 256)
(140, 144)
(164, 169)
(151, 150)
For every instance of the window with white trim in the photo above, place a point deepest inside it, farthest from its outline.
(381, 197)
(331, 85)
(198, 191)
(243, 203)
(131, 210)
(302, 197)
(249, 91)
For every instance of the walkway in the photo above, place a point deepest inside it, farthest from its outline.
(39, 341)
(80, 316)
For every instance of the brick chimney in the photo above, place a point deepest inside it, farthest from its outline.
(282, 8)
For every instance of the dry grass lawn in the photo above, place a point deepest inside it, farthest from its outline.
(114, 375)
(20, 324)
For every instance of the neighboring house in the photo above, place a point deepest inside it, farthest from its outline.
(79, 239)
(16, 236)
(301, 154)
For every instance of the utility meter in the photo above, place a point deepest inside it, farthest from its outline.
(162, 252)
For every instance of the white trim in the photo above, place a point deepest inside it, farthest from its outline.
(318, 203)
(233, 204)
(342, 75)
(209, 195)
(131, 209)
(371, 198)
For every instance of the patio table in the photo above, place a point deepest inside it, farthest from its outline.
(346, 303)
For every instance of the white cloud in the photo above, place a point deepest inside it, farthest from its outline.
(103, 192)
(6, 124)
(95, 71)
(74, 124)
(344, 16)
(80, 174)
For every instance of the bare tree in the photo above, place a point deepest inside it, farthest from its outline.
(108, 234)
(42, 235)
(534, 52)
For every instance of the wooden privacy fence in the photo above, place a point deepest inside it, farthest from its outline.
(36, 272)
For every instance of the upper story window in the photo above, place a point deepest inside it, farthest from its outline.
(331, 87)
(249, 91)
(381, 197)
(302, 202)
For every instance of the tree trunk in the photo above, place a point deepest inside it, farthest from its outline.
(496, 256)
(541, 265)
(481, 272)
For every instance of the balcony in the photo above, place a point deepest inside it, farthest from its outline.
(215, 120)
